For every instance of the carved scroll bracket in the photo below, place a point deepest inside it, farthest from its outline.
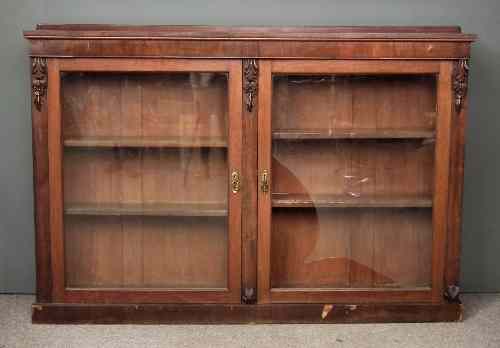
(250, 75)
(39, 80)
(460, 82)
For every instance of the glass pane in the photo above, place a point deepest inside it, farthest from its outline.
(352, 170)
(145, 180)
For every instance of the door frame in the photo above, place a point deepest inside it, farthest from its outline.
(443, 72)
(60, 293)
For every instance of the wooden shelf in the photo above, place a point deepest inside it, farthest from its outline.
(117, 141)
(148, 209)
(298, 134)
(284, 200)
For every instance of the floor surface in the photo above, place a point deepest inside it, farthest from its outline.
(480, 328)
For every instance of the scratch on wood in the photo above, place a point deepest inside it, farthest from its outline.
(326, 310)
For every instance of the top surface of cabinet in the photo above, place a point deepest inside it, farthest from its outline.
(439, 33)
(260, 42)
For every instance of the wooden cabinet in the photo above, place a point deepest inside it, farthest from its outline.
(203, 174)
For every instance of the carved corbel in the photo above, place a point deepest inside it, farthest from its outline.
(39, 81)
(250, 75)
(460, 82)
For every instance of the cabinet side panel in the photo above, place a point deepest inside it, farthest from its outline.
(459, 122)
(41, 188)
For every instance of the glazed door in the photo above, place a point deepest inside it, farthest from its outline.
(144, 160)
(353, 165)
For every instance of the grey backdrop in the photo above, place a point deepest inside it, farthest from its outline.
(481, 228)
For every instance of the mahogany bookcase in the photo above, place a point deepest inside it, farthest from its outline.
(191, 174)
